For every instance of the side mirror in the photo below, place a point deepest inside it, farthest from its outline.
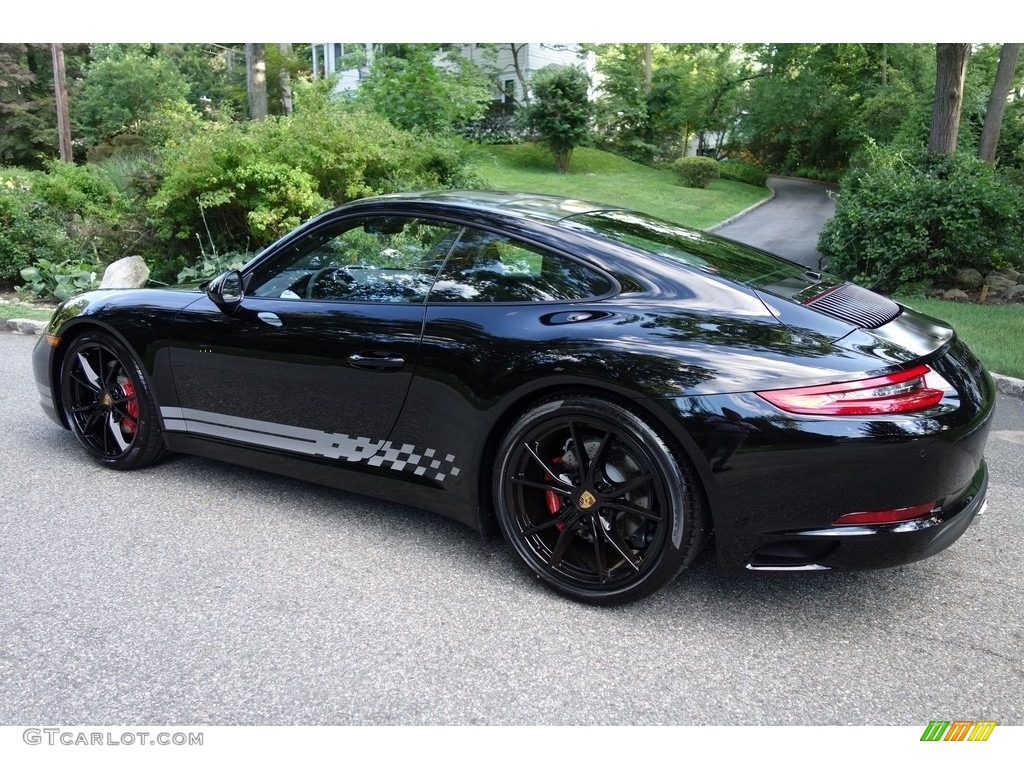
(226, 290)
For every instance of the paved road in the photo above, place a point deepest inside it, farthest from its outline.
(788, 224)
(198, 593)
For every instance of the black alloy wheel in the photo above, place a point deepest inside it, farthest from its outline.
(595, 502)
(107, 403)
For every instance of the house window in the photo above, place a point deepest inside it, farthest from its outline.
(510, 92)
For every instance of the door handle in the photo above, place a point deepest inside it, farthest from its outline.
(270, 319)
(376, 361)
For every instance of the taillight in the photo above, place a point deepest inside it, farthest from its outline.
(899, 392)
(885, 515)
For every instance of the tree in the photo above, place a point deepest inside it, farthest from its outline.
(623, 120)
(123, 87)
(997, 102)
(286, 79)
(256, 79)
(951, 70)
(410, 89)
(28, 118)
(560, 113)
(60, 90)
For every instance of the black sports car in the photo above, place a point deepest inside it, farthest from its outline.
(609, 390)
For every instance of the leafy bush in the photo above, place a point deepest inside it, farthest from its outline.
(561, 111)
(412, 91)
(122, 88)
(211, 265)
(29, 228)
(695, 172)
(743, 171)
(47, 280)
(904, 218)
(253, 182)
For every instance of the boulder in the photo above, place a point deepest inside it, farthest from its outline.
(1011, 274)
(968, 278)
(955, 294)
(129, 272)
(999, 283)
(1016, 293)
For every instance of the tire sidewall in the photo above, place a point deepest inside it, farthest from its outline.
(147, 444)
(680, 542)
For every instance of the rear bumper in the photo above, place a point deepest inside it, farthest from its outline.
(875, 546)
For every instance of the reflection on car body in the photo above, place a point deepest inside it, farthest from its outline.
(609, 391)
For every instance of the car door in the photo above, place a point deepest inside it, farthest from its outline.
(318, 356)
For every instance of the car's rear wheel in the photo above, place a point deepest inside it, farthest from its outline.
(107, 403)
(595, 502)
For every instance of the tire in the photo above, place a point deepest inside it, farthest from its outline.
(108, 403)
(606, 525)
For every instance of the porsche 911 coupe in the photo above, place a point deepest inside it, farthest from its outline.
(609, 391)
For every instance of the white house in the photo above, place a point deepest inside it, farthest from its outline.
(513, 63)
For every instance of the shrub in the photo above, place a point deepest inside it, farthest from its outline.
(253, 182)
(695, 172)
(561, 111)
(29, 228)
(743, 171)
(47, 280)
(211, 265)
(909, 217)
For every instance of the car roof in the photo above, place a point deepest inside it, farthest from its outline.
(550, 208)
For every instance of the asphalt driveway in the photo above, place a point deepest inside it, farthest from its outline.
(788, 224)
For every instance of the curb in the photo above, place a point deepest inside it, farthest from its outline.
(742, 213)
(1008, 385)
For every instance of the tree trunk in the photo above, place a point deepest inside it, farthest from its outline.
(256, 80)
(520, 75)
(951, 60)
(997, 102)
(286, 79)
(648, 67)
(60, 90)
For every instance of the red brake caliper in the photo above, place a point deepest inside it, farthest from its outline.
(553, 500)
(129, 424)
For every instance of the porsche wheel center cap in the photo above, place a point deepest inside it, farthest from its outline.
(107, 400)
(586, 500)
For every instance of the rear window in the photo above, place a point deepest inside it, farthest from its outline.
(695, 249)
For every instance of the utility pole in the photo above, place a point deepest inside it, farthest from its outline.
(60, 90)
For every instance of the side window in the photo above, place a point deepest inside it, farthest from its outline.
(384, 259)
(487, 267)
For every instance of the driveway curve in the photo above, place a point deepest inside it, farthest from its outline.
(789, 223)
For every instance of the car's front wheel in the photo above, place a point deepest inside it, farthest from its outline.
(107, 403)
(595, 502)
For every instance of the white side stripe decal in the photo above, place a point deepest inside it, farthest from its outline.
(376, 453)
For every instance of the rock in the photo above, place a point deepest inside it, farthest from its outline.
(968, 278)
(999, 283)
(1010, 274)
(955, 294)
(1016, 293)
(129, 272)
(21, 325)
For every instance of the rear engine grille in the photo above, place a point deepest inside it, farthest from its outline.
(854, 304)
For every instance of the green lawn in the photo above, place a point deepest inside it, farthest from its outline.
(604, 178)
(993, 331)
(22, 311)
